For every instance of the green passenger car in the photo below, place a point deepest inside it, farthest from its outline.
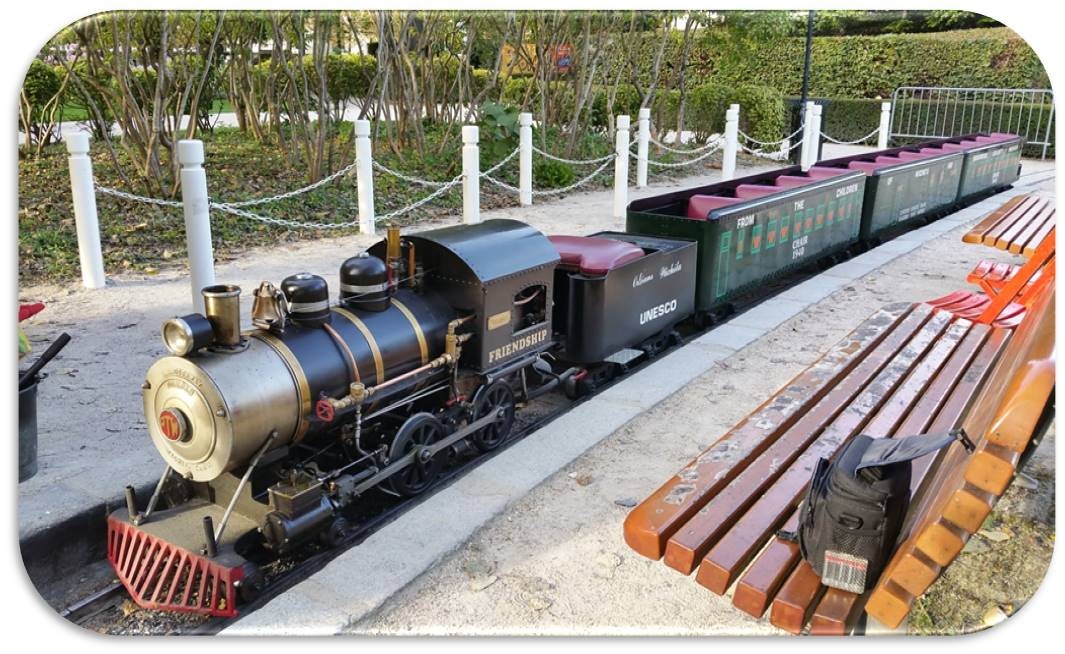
(743, 245)
(990, 167)
(902, 195)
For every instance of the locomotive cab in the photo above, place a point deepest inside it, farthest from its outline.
(502, 273)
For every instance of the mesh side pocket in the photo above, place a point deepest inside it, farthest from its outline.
(847, 560)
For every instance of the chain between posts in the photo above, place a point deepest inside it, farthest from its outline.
(553, 191)
(682, 164)
(575, 162)
(855, 142)
(132, 197)
(712, 143)
(748, 137)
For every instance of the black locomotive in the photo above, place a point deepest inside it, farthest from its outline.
(433, 341)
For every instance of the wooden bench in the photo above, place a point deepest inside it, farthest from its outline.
(909, 369)
(1018, 226)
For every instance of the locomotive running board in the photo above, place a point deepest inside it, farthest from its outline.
(160, 575)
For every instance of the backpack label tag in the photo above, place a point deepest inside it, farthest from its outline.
(844, 571)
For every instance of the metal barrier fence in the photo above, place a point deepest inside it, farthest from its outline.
(921, 112)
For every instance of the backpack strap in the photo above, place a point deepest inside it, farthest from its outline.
(886, 451)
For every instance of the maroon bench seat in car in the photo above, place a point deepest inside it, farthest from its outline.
(890, 161)
(700, 206)
(752, 191)
(867, 167)
(792, 181)
(823, 172)
(916, 156)
(592, 255)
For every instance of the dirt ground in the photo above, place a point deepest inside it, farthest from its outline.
(1003, 566)
(555, 562)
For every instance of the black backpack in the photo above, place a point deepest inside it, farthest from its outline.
(856, 504)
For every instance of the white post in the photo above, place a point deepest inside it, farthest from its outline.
(807, 135)
(364, 176)
(643, 139)
(732, 140)
(815, 145)
(525, 153)
(197, 218)
(885, 126)
(621, 165)
(471, 175)
(83, 190)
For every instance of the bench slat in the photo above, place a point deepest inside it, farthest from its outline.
(734, 549)
(1044, 231)
(791, 605)
(650, 524)
(1028, 234)
(760, 583)
(976, 234)
(1001, 236)
(835, 613)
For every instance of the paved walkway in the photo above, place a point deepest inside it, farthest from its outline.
(530, 542)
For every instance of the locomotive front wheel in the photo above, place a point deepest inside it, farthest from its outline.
(489, 399)
(416, 434)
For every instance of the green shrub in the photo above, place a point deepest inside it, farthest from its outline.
(762, 114)
(499, 130)
(548, 173)
(40, 85)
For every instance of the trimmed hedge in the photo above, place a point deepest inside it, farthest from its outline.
(861, 66)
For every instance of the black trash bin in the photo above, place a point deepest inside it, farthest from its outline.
(27, 430)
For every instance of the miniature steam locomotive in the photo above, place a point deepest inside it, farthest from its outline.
(432, 343)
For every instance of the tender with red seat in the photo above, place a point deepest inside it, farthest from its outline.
(700, 206)
(593, 255)
(752, 191)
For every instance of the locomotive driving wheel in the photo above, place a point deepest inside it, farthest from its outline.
(489, 399)
(416, 435)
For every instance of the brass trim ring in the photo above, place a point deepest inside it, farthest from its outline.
(379, 363)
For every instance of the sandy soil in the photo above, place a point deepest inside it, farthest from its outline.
(555, 562)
